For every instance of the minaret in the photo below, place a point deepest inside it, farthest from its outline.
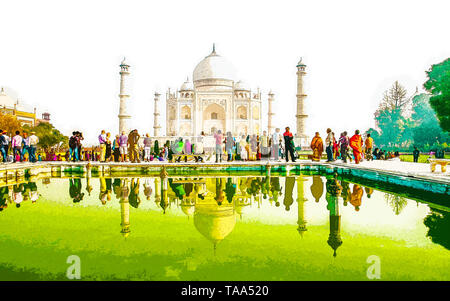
(270, 114)
(301, 116)
(123, 115)
(301, 221)
(156, 114)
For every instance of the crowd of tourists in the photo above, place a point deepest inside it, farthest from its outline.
(19, 148)
(132, 147)
(274, 146)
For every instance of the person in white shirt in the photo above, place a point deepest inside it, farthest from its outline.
(276, 144)
(33, 141)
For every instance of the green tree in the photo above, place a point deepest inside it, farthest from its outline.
(438, 84)
(426, 130)
(48, 135)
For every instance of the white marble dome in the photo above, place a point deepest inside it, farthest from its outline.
(214, 66)
(187, 86)
(241, 86)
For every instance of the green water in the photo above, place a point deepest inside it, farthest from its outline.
(265, 228)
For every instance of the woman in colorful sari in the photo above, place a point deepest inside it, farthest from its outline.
(356, 144)
(317, 147)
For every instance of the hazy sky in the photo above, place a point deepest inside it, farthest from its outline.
(64, 56)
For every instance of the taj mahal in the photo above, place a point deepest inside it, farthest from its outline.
(214, 100)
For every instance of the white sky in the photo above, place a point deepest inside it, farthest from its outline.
(64, 56)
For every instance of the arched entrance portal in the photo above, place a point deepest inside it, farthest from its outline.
(213, 119)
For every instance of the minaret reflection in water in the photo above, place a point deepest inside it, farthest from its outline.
(334, 190)
(124, 207)
(301, 220)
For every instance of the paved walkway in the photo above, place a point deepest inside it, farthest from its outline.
(406, 168)
(418, 170)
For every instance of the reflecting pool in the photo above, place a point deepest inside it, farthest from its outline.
(233, 226)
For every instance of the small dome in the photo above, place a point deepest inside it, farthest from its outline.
(240, 85)
(124, 63)
(6, 100)
(188, 209)
(214, 67)
(187, 85)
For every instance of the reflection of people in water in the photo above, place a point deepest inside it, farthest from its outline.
(356, 196)
(200, 190)
(177, 188)
(102, 194)
(230, 190)
(17, 195)
(252, 186)
(276, 189)
(333, 188)
(116, 187)
(188, 187)
(147, 188)
(26, 192)
(317, 188)
(134, 197)
(88, 185)
(220, 196)
(33, 193)
(4, 197)
(75, 190)
(369, 191)
(289, 188)
(265, 187)
(438, 223)
(345, 192)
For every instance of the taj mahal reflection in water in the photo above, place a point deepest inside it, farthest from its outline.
(217, 203)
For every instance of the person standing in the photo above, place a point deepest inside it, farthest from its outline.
(288, 139)
(368, 147)
(343, 143)
(123, 145)
(329, 145)
(133, 142)
(108, 147)
(276, 144)
(6, 145)
(102, 142)
(115, 149)
(356, 145)
(243, 149)
(335, 148)
(16, 144)
(416, 154)
(229, 144)
(147, 147)
(73, 147)
(25, 146)
(3, 143)
(264, 142)
(254, 145)
(33, 142)
(317, 147)
(79, 144)
(219, 138)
